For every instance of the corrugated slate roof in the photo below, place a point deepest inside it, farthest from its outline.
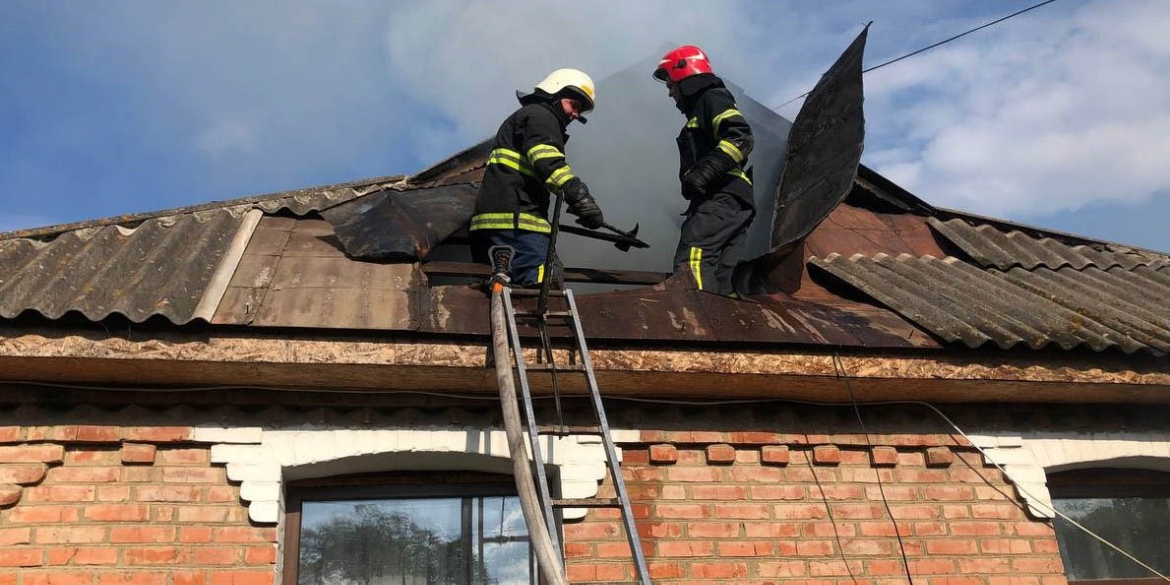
(991, 247)
(298, 201)
(162, 266)
(141, 265)
(957, 301)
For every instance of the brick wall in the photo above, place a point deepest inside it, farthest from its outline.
(116, 505)
(101, 505)
(747, 508)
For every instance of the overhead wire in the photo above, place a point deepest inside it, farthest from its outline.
(829, 510)
(929, 47)
(839, 368)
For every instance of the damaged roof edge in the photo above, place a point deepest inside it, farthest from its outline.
(1036, 231)
(479, 150)
(255, 200)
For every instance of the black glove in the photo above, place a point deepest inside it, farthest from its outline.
(705, 174)
(582, 204)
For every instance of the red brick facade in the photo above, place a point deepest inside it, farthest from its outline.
(103, 505)
(763, 518)
(107, 505)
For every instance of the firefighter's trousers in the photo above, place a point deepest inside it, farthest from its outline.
(712, 241)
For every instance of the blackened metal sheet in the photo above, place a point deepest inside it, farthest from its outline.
(956, 301)
(161, 267)
(401, 226)
(676, 311)
(824, 149)
(991, 247)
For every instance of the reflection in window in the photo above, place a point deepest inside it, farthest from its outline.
(1129, 509)
(415, 541)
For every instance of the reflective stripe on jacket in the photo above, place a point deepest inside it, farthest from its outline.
(716, 123)
(527, 161)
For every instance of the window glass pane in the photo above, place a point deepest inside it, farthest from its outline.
(505, 543)
(1137, 525)
(422, 541)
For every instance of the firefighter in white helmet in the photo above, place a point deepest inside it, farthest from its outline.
(527, 163)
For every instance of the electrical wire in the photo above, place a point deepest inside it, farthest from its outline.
(1032, 498)
(840, 369)
(929, 47)
(829, 511)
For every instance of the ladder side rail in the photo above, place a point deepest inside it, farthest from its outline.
(532, 427)
(610, 451)
(550, 257)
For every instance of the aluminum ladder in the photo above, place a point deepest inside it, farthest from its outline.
(582, 365)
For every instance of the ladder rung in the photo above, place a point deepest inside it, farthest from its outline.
(530, 292)
(551, 367)
(569, 430)
(547, 315)
(587, 503)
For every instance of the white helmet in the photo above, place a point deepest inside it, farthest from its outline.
(572, 79)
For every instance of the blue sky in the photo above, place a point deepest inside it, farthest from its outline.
(1060, 117)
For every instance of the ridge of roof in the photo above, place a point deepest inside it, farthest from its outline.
(305, 200)
(1042, 232)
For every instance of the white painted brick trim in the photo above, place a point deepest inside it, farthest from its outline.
(263, 459)
(1027, 459)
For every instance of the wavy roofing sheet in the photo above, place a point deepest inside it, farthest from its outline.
(162, 266)
(1101, 309)
(991, 247)
(300, 202)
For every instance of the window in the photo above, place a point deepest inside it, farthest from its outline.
(1128, 507)
(407, 529)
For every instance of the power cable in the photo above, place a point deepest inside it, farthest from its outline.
(840, 369)
(829, 511)
(929, 47)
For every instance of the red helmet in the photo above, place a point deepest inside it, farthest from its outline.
(681, 63)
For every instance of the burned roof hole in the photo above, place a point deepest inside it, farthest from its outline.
(838, 287)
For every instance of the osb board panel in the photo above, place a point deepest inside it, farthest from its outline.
(255, 271)
(401, 362)
(343, 308)
(239, 305)
(270, 236)
(313, 237)
(341, 273)
(696, 385)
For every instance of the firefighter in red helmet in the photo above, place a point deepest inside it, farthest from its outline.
(713, 149)
(527, 161)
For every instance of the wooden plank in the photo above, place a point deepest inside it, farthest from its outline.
(633, 277)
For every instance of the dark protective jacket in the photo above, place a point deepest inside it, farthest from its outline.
(527, 161)
(714, 123)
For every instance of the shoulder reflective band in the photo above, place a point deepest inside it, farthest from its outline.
(510, 221)
(729, 112)
(740, 174)
(693, 123)
(510, 159)
(543, 151)
(697, 266)
(559, 177)
(731, 150)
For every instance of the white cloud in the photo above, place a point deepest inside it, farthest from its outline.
(1046, 114)
(465, 59)
(226, 138)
